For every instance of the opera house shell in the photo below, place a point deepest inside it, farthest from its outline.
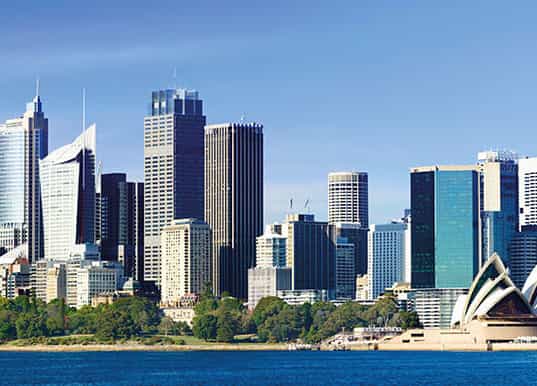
(495, 310)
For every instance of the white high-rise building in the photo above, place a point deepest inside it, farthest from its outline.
(270, 249)
(23, 143)
(348, 198)
(186, 259)
(68, 196)
(527, 191)
(387, 257)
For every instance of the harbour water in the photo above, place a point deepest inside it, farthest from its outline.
(268, 368)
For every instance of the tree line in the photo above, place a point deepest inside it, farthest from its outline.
(273, 320)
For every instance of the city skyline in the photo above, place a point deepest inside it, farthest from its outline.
(385, 90)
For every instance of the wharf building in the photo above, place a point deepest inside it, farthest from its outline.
(233, 201)
(173, 168)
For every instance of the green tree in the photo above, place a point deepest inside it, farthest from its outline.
(226, 327)
(204, 327)
(267, 307)
(56, 317)
(168, 327)
(30, 325)
(285, 326)
(8, 329)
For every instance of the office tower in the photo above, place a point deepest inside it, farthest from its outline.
(348, 198)
(233, 201)
(387, 256)
(186, 259)
(68, 196)
(527, 191)
(134, 267)
(345, 270)
(270, 249)
(499, 202)
(445, 226)
(98, 207)
(122, 222)
(356, 235)
(523, 254)
(173, 167)
(311, 253)
(23, 143)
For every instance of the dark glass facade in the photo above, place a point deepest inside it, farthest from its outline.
(422, 229)
(311, 253)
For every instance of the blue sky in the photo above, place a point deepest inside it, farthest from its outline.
(377, 86)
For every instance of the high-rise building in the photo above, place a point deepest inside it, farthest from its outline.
(173, 167)
(68, 196)
(499, 202)
(527, 191)
(348, 198)
(445, 226)
(234, 201)
(345, 271)
(186, 259)
(356, 235)
(387, 256)
(523, 254)
(270, 249)
(311, 253)
(23, 143)
(122, 222)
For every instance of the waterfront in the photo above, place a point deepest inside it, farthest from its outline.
(263, 368)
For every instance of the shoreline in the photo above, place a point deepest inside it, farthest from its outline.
(264, 347)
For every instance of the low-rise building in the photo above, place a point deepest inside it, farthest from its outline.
(434, 306)
(94, 280)
(297, 297)
(267, 281)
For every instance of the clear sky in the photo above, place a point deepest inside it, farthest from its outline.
(376, 86)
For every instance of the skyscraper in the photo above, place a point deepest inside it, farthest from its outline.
(311, 253)
(387, 256)
(234, 201)
(186, 258)
(348, 198)
(527, 191)
(445, 226)
(23, 143)
(173, 167)
(121, 224)
(499, 202)
(523, 254)
(68, 196)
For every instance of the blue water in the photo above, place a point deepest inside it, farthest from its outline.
(268, 368)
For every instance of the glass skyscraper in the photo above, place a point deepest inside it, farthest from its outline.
(23, 143)
(173, 167)
(445, 246)
(499, 202)
(68, 196)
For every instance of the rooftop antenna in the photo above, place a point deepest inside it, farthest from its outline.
(83, 138)
(291, 204)
(37, 87)
(242, 118)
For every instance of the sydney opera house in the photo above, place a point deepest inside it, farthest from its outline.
(494, 310)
